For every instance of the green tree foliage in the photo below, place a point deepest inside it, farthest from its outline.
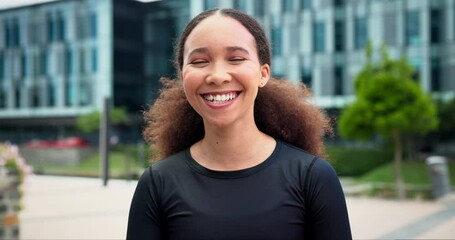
(389, 103)
(446, 130)
(91, 121)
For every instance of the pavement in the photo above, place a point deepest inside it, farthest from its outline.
(82, 208)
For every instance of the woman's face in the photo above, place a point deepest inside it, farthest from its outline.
(221, 72)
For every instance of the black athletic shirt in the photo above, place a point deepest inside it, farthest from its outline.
(291, 195)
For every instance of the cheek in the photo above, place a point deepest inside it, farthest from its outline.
(189, 80)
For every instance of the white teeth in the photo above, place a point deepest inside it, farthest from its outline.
(220, 98)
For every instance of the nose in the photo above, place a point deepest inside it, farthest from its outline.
(218, 74)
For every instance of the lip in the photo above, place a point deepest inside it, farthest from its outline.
(215, 105)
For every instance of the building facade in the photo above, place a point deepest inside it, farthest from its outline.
(322, 42)
(59, 60)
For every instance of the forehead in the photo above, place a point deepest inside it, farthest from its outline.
(219, 30)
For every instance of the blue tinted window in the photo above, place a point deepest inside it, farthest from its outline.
(43, 63)
(319, 37)
(2, 98)
(52, 94)
(61, 27)
(69, 62)
(339, 36)
(7, 33)
(259, 8)
(94, 60)
(50, 28)
(16, 33)
(361, 32)
(209, 4)
(2, 67)
(306, 76)
(240, 5)
(287, 5)
(305, 4)
(24, 65)
(93, 25)
(413, 28)
(276, 41)
(338, 81)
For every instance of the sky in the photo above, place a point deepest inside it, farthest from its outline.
(17, 3)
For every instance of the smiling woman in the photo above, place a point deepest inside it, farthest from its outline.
(240, 150)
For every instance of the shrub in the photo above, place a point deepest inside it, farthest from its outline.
(357, 161)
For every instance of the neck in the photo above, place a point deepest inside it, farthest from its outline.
(232, 148)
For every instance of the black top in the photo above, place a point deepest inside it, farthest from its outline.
(291, 195)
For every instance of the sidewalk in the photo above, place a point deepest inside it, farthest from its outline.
(81, 208)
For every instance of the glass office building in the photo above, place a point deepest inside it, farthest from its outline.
(60, 59)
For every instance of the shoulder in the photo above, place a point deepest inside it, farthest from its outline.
(175, 161)
(303, 160)
(165, 167)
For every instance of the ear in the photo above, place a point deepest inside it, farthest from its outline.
(265, 75)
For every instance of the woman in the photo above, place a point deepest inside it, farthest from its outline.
(240, 149)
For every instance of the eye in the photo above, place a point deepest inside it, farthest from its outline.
(198, 62)
(237, 59)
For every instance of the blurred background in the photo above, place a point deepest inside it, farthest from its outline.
(383, 70)
(60, 60)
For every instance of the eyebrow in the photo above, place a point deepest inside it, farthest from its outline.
(229, 49)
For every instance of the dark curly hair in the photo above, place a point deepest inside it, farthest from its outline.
(281, 107)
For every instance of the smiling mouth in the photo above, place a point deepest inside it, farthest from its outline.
(220, 98)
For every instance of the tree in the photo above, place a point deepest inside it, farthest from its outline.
(388, 103)
(91, 121)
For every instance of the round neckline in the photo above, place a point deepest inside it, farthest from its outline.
(193, 164)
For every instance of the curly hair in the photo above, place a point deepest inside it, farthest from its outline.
(281, 107)
(281, 110)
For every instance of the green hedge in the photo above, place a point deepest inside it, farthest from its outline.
(357, 161)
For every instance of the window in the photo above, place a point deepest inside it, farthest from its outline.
(338, 3)
(2, 97)
(35, 97)
(2, 67)
(7, 33)
(51, 94)
(16, 33)
(436, 25)
(413, 28)
(338, 79)
(436, 75)
(390, 28)
(81, 61)
(240, 5)
(31, 33)
(80, 26)
(209, 4)
(84, 93)
(276, 41)
(306, 77)
(94, 60)
(50, 28)
(69, 67)
(339, 36)
(43, 63)
(287, 5)
(24, 65)
(93, 26)
(70, 93)
(60, 27)
(259, 8)
(319, 37)
(305, 4)
(361, 32)
(17, 97)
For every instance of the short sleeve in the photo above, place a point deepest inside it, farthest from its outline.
(326, 202)
(144, 221)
